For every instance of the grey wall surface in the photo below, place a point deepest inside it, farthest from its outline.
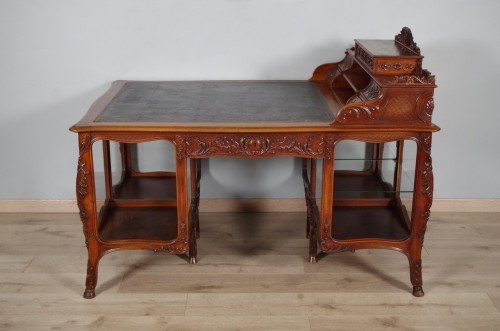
(58, 56)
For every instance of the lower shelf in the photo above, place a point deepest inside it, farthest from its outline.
(362, 185)
(147, 188)
(378, 222)
(136, 223)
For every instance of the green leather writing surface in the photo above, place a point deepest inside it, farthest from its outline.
(218, 101)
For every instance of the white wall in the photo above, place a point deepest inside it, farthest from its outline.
(57, 56)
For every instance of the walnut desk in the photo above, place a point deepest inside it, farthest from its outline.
(378, 96)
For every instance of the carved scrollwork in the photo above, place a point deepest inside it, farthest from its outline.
(84, 218)
(372, 91)
(180, 146)
(172, 249)
(358, 112)
(427, 184)
(426, 143)
(411, 80)
(427, 179)
(254, 145)
(427, 78)
(406, 80)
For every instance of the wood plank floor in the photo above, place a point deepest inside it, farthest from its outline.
(252, 274)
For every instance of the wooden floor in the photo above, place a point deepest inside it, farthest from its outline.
(252, 274)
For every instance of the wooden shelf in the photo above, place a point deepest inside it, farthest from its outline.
(357, 79)
(152, 187)
(135, 223)
(343, 94)
(373, 222)
(360, 185)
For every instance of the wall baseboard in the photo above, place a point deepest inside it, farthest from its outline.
(244, 205)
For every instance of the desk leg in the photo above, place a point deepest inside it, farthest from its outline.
(325, 220)
(86, 200)
(183, 215)
(194, 218)
(310, 191)
(423, 192)
(195, 170)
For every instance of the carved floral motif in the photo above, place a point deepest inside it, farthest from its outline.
(425, 107)
(427, 184)
(82, 184)
(396, 66)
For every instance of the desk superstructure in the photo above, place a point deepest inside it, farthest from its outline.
(378, 95)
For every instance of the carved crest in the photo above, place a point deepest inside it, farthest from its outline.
(405, 37)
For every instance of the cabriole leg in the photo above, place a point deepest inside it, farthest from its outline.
(86, 201)
(423, 192)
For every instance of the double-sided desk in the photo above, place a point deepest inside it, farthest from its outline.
(378, 95)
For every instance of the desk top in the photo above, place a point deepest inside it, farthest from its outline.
(209, 103)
